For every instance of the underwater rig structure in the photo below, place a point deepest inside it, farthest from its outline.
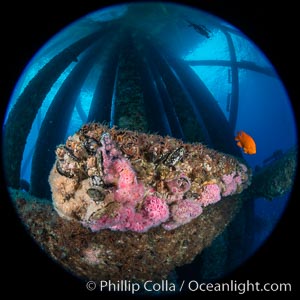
(151, 84)
(141, 87)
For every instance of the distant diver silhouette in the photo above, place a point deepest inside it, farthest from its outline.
(203, 30)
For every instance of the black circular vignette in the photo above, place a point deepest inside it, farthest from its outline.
(27, 27)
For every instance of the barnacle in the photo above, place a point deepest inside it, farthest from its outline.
(96, 193)
(173, 158)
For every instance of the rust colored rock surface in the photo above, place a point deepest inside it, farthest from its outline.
(115, 255)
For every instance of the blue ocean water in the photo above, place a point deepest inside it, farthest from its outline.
(264, 110)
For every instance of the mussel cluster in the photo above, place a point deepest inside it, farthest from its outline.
(79, 159)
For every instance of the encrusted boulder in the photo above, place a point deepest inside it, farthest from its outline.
(124, 180)
(132, 206)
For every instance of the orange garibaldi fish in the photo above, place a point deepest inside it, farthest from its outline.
(246, 142)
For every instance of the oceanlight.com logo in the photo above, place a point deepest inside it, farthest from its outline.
(239, 287)
(192, 286)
